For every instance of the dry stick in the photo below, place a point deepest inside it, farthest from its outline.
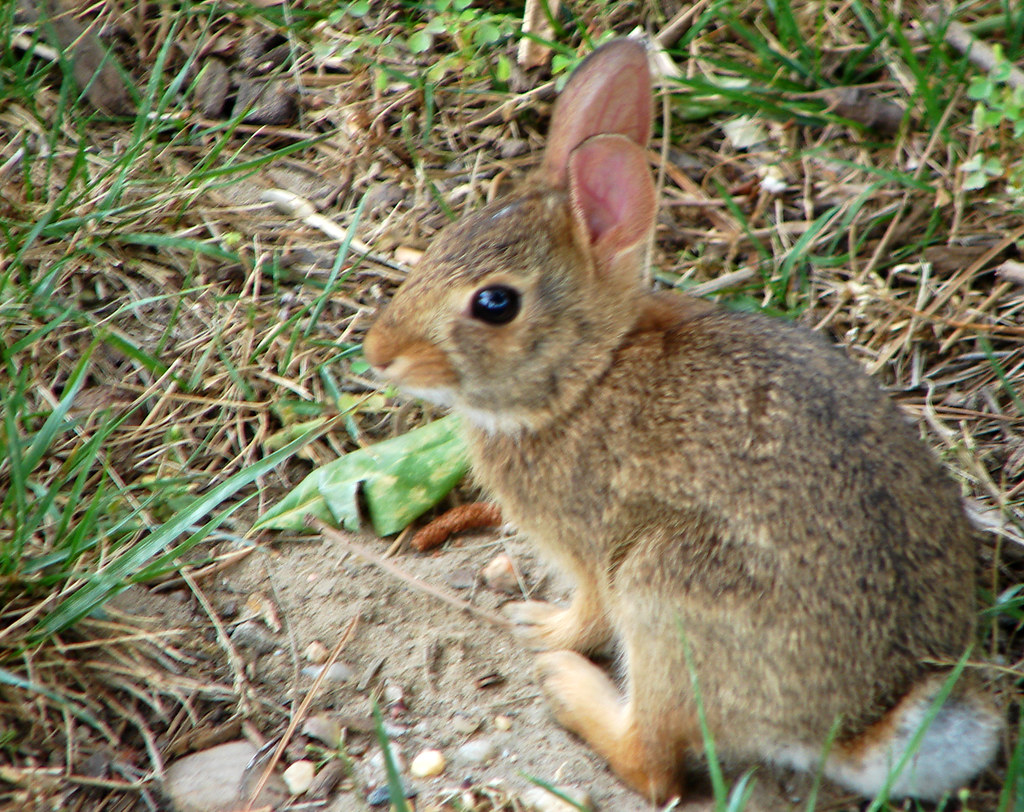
(883, 244)
(300, 714)
(532, 53)
(293, 205)
(678, 25)
(726, 280)
(959, 37)
(957, 281)
(659, 184)
(352, 546)
(506, 107)
(221, 562)
(1001, 330)
(241, 684)
(998, 293)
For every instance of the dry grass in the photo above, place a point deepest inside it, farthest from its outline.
(205, 329)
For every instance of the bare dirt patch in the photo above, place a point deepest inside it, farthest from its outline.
(457, 675)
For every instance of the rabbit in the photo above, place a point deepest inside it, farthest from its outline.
(742, 510)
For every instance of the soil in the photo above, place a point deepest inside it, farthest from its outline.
(456, 673)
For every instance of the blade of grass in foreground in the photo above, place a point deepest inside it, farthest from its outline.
(117, 575)
(395, 789)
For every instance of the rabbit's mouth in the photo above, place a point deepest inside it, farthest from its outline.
(438, 395)
(494, 422)
(490, 422)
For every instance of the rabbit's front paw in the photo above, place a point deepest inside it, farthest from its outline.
(546, 627)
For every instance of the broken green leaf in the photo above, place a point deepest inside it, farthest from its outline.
(400, 479)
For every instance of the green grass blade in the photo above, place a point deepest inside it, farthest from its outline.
(116, 576)
(396, 790)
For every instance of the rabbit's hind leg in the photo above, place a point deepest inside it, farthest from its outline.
(645, 746)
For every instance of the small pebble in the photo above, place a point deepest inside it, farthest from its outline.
(465, 725)
(316, 652)
(477, 751)
(250, 635)
(324, 729)
(500, 575)
(540, 800)
(299, 776)
(461, 578)
(338, 672)
(382, 795)
(502, 723)
(393, 693)
(427, 764)
(216, 778)
(377, 759)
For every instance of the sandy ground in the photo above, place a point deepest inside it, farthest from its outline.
(456, 674)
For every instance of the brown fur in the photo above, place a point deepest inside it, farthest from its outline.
(702, 475)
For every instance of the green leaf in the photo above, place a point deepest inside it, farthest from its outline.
(400, 479)
(980, 88)
(419, 41)
(486, 34)
(975, 181)
(503, 71)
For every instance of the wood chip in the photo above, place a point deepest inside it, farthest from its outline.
(368, 674)
(533, 54)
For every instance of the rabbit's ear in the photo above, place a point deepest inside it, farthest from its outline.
(610, 92)
(612, 194)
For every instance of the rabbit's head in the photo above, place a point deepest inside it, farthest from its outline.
(515, 309)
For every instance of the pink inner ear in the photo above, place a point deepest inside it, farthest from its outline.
(609, 93)
(612, 191)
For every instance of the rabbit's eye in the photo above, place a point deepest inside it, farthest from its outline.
(497, 304)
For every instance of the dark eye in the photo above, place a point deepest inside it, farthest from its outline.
(497, 304)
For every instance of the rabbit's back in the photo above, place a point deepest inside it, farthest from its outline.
(741, 476)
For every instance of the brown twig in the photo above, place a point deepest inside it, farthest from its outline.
(300, 714)
(352, 546)
(241, 683)
(463, 517)
(959, 38)
(679, 25)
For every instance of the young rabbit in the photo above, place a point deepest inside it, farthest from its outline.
(713, 481)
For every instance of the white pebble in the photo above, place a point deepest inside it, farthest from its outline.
(377, 759)
(464, 725)
(502, 723)
(338, 672)
(299, 776)
(427, 764)
(477, 751)
(540, 800)
(500, 575)
(316, 652)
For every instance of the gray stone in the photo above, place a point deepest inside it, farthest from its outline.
(216, 780)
